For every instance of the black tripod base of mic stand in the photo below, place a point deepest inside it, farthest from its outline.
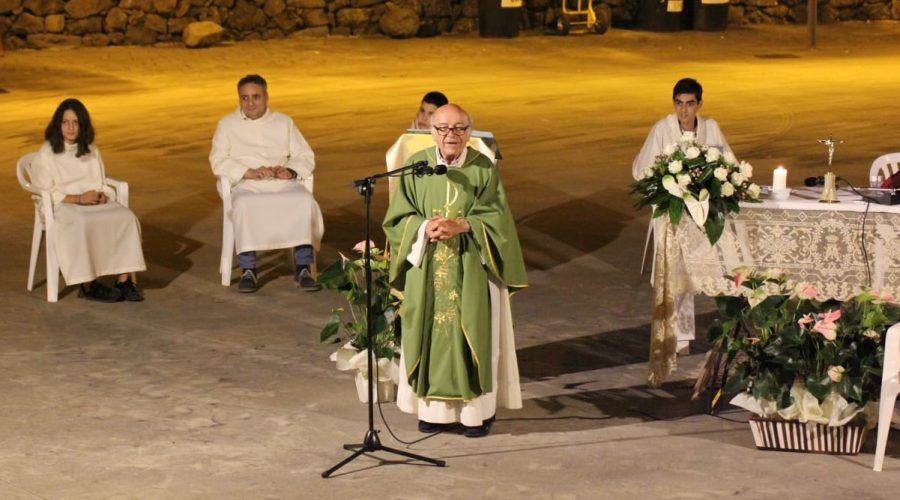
(370, 444)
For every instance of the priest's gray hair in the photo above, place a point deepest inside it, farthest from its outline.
(452, 106)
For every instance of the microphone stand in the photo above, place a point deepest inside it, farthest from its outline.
(371, 442)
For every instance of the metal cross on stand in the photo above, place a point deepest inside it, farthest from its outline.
(829, 191)
(830, 143)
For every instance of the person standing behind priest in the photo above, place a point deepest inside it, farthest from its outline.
(264, 155)
(430, 103)
(456, 258)
(687, 99)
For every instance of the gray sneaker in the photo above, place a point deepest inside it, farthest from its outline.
(305, 280)
(248, 283)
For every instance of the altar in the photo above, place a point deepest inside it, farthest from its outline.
(837, 247)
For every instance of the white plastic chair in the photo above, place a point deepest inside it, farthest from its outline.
(890, 387)
(887, 165)
(46, 225)
(228, 248)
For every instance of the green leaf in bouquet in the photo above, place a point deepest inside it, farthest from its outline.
(731, 205)
(659, 198)
(851, 388)
(676, 205)
(381, 323)
(714, 225)
(737, 381)
(765, 385)
(661, 209)
(707, 173)
(818, 386)
(715, 332)
(332, 327)
(715, 188)
(335, 275)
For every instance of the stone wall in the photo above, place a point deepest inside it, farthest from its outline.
(43, 23)
(795, 11)
(543, 13)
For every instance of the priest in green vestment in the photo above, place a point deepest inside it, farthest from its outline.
(455, 257)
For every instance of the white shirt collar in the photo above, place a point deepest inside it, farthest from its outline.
(460, 160)
(244, 117)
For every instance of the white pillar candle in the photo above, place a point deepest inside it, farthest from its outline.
(779, 178)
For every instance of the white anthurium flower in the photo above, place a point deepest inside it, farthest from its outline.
(360, 362)
(648, 172)
(727, 189)
(698, 207)
(737, 178)
(756, 297)
(746, 169)
(344, 357)
(670, 149)
(753, 189)
(720, 173)
(671, 185)
(713, 154)
(675, 167)
(687, 137)
(684, 180)
(692, 152)
(729, 158)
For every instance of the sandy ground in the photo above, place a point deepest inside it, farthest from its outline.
(201, 392)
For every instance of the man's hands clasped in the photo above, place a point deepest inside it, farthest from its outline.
(91, 198)
(264, 173)
(442, 228)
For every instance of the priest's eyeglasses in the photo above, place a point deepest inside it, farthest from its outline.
(457, 131)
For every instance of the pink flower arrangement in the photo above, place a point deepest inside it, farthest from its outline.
(826, 324)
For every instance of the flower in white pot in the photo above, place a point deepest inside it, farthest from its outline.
(347, 277)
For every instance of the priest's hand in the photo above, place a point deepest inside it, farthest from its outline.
(442, 229)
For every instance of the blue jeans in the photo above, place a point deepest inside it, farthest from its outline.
(303, 256)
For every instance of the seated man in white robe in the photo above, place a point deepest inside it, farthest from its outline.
(265, 157)
(687, 99)
(430, 103)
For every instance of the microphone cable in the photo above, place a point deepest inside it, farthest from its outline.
(862, 228)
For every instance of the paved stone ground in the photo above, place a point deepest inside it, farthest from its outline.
(201, 392)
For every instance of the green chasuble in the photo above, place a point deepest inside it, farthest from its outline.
(446, 310)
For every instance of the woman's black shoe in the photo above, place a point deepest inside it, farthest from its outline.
(99, 292)
(129, 291)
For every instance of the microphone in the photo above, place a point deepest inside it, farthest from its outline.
(814, 181)
(440, 169)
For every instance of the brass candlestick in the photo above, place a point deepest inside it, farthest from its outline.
(829, 191)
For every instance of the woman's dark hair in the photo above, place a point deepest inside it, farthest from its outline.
(53, 133)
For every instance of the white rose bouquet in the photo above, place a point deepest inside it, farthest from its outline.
(703, 181)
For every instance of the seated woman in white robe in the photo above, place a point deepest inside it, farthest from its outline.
(96, 236)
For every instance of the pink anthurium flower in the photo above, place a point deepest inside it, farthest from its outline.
(361, 246)
(740, 274)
